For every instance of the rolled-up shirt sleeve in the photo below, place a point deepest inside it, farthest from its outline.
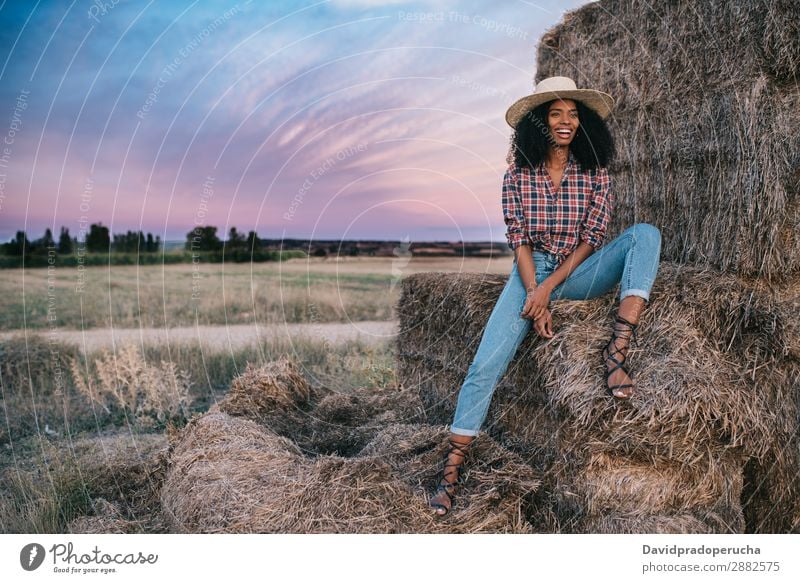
(598, 214)
(512, 210)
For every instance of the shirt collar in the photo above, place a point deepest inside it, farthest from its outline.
(571, 160)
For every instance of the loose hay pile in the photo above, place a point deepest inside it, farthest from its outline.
(717, 403)
(258, 462)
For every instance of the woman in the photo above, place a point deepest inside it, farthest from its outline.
(557, 203)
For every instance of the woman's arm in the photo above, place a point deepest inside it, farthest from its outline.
(564, 270)
(514, 217)
(525, 266)
(539, 298)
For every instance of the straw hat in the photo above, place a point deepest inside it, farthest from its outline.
(559, 88)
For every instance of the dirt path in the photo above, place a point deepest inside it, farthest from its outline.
(222, 337)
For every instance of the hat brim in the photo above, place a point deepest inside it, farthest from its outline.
(601, 103)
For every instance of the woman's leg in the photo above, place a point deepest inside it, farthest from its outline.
(501, 338)
(631, 260)
(502, 335)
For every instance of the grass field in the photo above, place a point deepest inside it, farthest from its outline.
(295, 291)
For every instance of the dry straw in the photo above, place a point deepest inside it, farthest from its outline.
(231, 473)
(708, 445)
(706, 122)
(715, 416)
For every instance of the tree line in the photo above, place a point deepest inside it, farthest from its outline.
(98, 240)
(205, 239)
(100, 247)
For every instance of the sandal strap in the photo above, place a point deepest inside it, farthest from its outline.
(622, 330)
(444, 485)
(460, 449)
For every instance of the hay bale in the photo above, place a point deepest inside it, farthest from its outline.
(564, 377)
(231, 474)
(588, 488)
(707, 523)
(696, 128)
(705, 399)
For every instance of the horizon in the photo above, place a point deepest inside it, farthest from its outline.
(54, 234)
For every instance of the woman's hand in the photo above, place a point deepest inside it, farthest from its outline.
(544, 325)
(536, 303)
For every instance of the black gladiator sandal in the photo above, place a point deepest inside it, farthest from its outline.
(626, 331)
(448, 488)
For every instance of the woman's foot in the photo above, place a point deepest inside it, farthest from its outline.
(618, 379)
(442, 499)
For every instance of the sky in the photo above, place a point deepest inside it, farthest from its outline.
(334, 119)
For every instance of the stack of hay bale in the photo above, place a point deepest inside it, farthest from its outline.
(709, 145)
(675, 458)
(705, 122)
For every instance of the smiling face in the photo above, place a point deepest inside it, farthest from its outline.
(562, 119)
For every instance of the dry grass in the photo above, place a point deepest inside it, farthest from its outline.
(230, 473)
(105, 483)
(58, 408)
(144, 391)
(152, 296)
(52, 481)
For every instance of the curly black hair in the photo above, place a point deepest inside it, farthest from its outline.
(592, 145)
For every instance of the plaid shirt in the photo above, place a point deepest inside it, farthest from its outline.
(556, 222)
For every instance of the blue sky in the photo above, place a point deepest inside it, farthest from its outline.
(337, 119)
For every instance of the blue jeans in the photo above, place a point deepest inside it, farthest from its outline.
(630, 260)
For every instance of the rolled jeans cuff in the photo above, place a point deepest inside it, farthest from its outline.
(644, 294)
(464, 432)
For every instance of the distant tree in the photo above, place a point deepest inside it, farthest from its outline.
(150, 245)
(18, 245)
(131, 242)
(97, 240)
(47, 240)
(124, 242)
(22, 242)
(235, 239)
(203, 239)
(64, 242)
(157, 244)
(253, 242)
